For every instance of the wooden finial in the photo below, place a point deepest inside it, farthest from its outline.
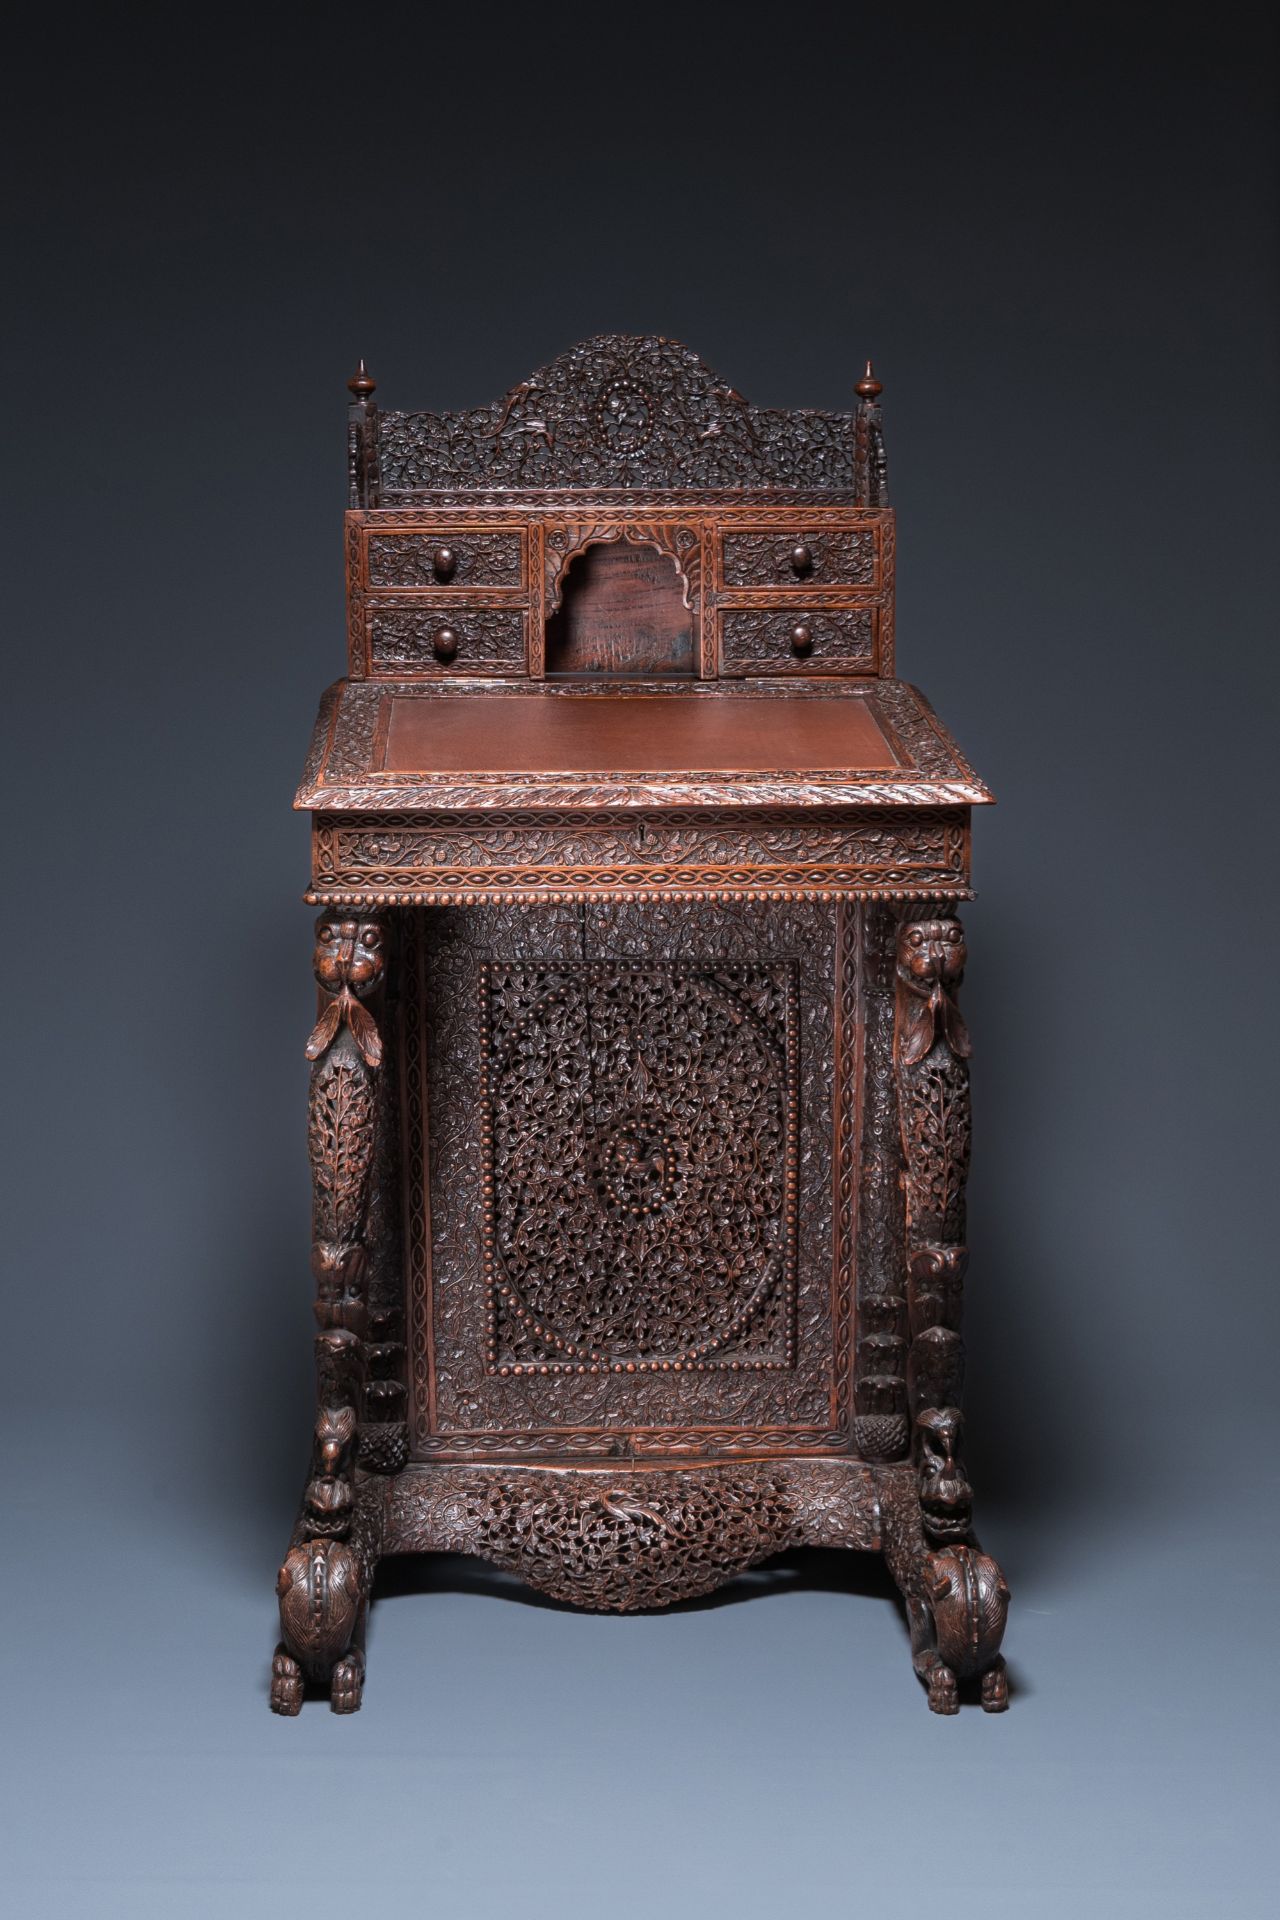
(361, 383)
(868, 388)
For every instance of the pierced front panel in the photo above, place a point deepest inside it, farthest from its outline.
(621, 1179)
(640, 1146)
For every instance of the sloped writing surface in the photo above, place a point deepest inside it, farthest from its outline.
(633, 734)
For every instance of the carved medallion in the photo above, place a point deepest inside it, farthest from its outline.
(625, 414)
(640, 1144)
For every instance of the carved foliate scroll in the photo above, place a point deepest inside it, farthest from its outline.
(932, 1056)
(620, 410)
(640, 1139)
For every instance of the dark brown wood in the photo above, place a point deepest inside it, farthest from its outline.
(639, 1104)
(622, 612)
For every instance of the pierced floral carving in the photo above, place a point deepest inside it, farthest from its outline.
(620, 410)
(640, 1132)
(620, 1541)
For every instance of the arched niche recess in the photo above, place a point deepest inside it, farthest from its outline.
(622, 614)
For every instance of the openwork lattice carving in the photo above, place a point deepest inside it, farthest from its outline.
(616, 1542)
(640, 1138)
(617, 411)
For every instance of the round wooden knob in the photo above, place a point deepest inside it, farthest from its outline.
(801, 559)
(801, 640)
(444, 643)
(444, 563)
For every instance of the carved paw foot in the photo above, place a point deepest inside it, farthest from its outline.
(944, 1695)
(286, 1683)
(995, 1688)
(346, 1684)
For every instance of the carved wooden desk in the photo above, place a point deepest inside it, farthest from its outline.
(639, 1113)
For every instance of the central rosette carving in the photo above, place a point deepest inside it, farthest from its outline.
(640, 1138)
(637, 1166)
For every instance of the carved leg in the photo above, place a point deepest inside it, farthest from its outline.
(286, 1682)
(956, 1595)
(346, 1685)
(995, 1687)
(324, 1582)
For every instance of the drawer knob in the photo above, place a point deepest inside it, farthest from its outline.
(444, 643)
(801, 559)
(801, 640)
(444, 563)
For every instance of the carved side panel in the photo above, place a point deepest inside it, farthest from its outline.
(881, 1425)
(933, 1090)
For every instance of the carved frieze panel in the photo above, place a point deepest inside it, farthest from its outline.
(923, 854)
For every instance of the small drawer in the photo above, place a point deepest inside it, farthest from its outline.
(448, 558)
(797, 640)
(800, 557)
(447, 640)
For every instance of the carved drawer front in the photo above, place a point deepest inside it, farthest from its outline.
(447, 558)
(798, 639)
(447, 640)
(801, 557)
(621, 1207)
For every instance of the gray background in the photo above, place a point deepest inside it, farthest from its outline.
(1055, 232)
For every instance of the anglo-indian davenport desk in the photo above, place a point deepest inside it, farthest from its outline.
(639, 1101)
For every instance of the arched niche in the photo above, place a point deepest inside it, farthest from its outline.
(623, 613)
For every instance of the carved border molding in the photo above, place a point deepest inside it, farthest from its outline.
(649, 1434)
(934, 773)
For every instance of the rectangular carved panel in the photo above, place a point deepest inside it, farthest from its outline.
(448, 557)
(797, 555)
(798, 639)
(639, 1128)
(620, 1168)
(483, 639)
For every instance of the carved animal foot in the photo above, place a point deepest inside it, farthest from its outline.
(995, 1687)
(286, 1683)
(944, 1692)
(322, 1596)
(346, 1683)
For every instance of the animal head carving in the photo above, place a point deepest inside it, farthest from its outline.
(349, 953)
(350, 960)
(946, 1498)
(931, 957)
